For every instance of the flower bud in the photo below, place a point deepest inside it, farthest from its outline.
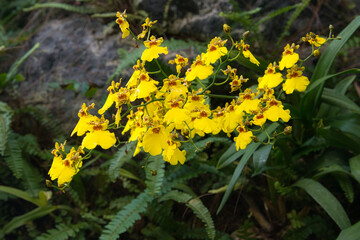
(48, 183)
(226, 28)
(331, 27)
(288, 130)
(316, 53)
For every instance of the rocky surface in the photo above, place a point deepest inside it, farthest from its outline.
(73, 53)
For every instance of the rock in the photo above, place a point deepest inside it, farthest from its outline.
(72, 50)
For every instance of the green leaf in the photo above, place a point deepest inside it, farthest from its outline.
(14, 68)
(21, 194)
(123, 155)
(355, 167)
(322, 80)
(196, 205)
(350, 233)
(29, 216)
(13, 156)
(333, 98)
(63, 6)
(326, 200)
(231, 154)
(155, 174)
(311, 101)
(125, 218)
(5, 121)
(260, 157)
(248, 152)
(338, 139)
(62, 232)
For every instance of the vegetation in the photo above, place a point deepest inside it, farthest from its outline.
(298, 182)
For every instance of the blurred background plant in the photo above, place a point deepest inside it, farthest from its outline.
(305, 187)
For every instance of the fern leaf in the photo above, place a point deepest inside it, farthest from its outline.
(5, 121)
(31, 179)
(180, 175)
(196, 206)
(62, 232)
(293, 17)
(13, 156)
(346, 185)
(123, 155)
(125, 218)
(63, 6)
(155, 177)
(30, 145)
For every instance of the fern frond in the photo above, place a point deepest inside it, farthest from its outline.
(76, 198)
(125, 218)
(45, 119)
(32, 179)
(63, 6)
(5, 121)
(123, 155)
(300, 7)
(62, 232)
(120, 202)
(13, 156)
(180, 175)
(155, 174)
(346, 185)
(196, 206)
(30, 145)
(313, 225)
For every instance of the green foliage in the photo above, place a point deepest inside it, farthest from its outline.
(125, 218)
(311, 225)
(246, 154)
(326, 200)
(5, 121)
(61, 232)
(155, 175)
(350, 233)
(123, 155)
(64, 6)
(299, 8)
(196, 205)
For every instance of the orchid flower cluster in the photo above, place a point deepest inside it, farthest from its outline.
(173, 110)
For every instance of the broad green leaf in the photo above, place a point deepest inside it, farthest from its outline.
(29, 216)
(350, 233)
(330, 169)
(322, 80)
(260, 158)
(333, 98)
(355, 167)
(311, 100)
(326, 200)
(346, 122)
(231, 154)
(250, 149)
(21, 194)
(339, 139)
